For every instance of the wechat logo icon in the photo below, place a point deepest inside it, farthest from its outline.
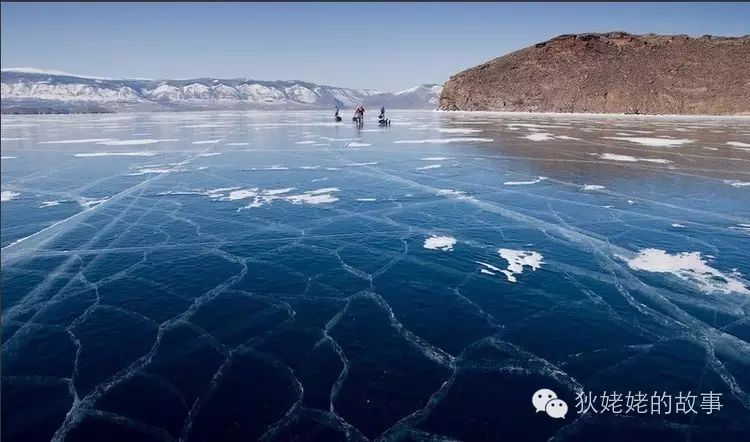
(546, 400)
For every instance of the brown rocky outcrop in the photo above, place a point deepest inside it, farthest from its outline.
(614, 72)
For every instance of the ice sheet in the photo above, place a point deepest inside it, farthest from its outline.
(304, 280)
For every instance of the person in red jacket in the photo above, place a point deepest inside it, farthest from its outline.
(359, 114)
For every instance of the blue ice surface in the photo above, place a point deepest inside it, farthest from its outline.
(278, 276)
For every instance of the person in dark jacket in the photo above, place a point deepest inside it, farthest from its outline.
(381, 118)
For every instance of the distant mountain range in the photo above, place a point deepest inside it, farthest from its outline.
(34, 91)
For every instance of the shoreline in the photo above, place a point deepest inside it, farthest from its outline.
(436, 111)
(597, 115)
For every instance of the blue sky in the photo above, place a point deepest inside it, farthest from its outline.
(387, 46)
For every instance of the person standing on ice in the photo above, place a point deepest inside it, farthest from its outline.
(359, 114)
(381, 118)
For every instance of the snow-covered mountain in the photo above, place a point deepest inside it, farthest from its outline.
(415, 97)
(36, 91)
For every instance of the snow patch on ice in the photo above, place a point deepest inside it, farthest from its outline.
(319, 196)
(458, 194)
(539, 136)
(656, 142)
(206, 142)
(239, 194)
(593, 187)
(630, 159)
(523, 183)
(517, 259)
(737, 183)
(436, 158)
(335, 139)
(688, 266)
(135, 142)
(356, 144)
(91, 202)
(546, 136)
(431, 166)
(737, 144)
(215, 193)
(7, 195)
(444, 243)
(262, 197)
(51, 203)
(741, 226)
(488, 269)
(279, 191)
(274, 167)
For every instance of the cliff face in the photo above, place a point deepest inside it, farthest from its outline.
(611, 73)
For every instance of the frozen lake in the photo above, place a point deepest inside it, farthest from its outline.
(277, 276)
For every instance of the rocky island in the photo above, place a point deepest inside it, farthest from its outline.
(613, 72)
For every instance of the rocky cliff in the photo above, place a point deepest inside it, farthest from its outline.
(612, 73)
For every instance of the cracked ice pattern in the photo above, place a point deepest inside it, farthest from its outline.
(204, 286)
